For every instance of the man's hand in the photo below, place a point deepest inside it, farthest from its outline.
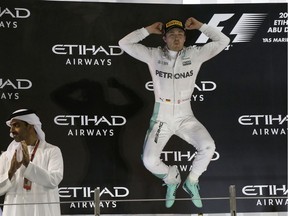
(191, 23)
(155, 28)
(26, 158)
(14, 166)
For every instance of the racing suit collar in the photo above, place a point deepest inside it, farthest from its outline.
(167, 54)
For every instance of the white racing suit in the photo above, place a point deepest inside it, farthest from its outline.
(174, 82)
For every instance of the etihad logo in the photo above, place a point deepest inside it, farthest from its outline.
(203, 86)
(184, 158)
(104, 124)
(15, 84)
(263, 119)
(265, 124)
(265, 190)
(85, 120)
(278, 194)
(244, 30)
(86, 193)
(74, 49)
(10, 88)
(180, 156)
(11, 15)
(18, 13)
(87, 55)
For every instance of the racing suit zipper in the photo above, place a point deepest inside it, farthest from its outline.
(174, 94)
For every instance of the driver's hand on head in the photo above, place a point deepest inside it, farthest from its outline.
(155, 28)
(192, 23)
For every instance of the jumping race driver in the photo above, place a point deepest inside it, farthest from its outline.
(174, 69)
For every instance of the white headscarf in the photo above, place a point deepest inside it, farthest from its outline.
(31, 118)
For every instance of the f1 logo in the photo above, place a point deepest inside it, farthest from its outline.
(244, 29)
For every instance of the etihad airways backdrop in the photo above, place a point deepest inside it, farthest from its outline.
(95, 101)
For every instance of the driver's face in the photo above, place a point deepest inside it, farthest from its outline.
(175, 39)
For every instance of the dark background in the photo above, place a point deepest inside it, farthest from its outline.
(251, 79)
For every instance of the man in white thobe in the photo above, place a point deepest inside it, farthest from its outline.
(30, 169)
